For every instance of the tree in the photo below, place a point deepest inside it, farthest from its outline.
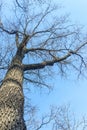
(33, 40)
(59, 118)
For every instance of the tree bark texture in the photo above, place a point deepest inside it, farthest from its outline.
(12, 98)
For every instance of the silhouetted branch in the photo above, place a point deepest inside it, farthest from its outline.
(12, 32)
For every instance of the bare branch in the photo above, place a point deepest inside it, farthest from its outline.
(24, 41)
(55, 60)
(17, 39)
(12, 32)
(43, 123)
(45, 63)
(43, 49)
(19, 4)
(47, 11)
(39, 83)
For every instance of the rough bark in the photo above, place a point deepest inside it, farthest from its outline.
(12, 98)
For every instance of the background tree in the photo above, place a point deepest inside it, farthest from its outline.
(58, 118)
(34, 36)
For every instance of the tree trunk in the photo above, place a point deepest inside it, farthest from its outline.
(12, 98)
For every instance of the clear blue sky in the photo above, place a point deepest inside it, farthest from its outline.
(67, 90)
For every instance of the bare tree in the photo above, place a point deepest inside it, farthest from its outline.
(59, 118)
(33, 38)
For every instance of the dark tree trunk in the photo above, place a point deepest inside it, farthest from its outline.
(12, 98)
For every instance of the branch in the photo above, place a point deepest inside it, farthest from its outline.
(45, 63)
(43, 49)
(47, 11)
(36, 82)
(52, 31)
(24, 42)
(12, 32)
(16, 39)
(21, 47)
(43, 122)
(55, 60)
(19, 4)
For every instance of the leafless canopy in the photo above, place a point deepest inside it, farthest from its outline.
(46, 36)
